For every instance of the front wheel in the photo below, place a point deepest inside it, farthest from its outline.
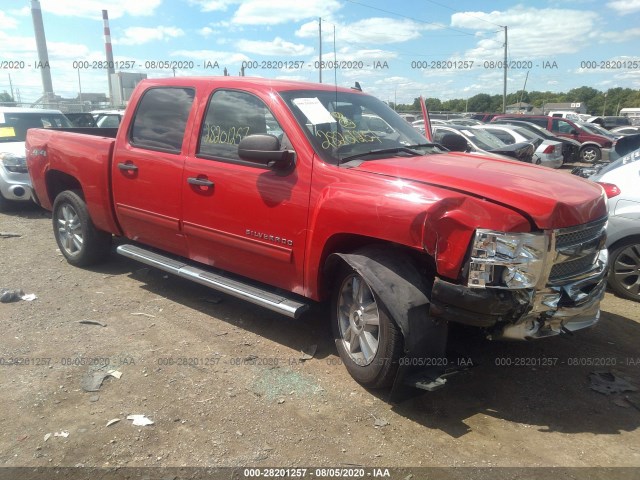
(79, 240)
(624, 270)
(590, 154)
(368, 341)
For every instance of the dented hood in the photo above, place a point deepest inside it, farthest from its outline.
(551, 199)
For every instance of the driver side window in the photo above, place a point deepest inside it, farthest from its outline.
(231, 116)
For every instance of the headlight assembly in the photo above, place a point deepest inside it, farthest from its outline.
(507, 260)
(14, 163)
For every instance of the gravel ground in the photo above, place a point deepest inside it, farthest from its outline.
(224, 383)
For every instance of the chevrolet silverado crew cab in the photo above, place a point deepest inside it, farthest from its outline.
(279, 193)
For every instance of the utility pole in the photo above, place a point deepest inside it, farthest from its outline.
(504, 86)
(80, 92)
(320, 47)
(523, 89)
(11, 87)
(604, 107)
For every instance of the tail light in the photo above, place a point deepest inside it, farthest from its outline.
(549, 149)
(610, 189)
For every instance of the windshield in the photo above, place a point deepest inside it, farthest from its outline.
(14, 126)
(596, 129)
(342, 125)
(483, 139)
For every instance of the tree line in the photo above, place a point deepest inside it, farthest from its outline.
(596, 101)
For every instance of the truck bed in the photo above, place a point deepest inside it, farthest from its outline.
(81, 153)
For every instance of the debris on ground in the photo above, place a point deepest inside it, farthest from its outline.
(92, 381)
(47, 437)
(140, 420)
(380, 422)
(10, 235)
(143, 314)
(308, 352)
(8, 295)
(63, 434)
(608, 383)
(112, 421)
(92, 322)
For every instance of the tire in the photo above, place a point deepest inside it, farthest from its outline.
(590, 154)
(359, 318)
(78, 239)
(624, 269)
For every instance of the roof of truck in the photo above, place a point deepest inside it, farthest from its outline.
(281, 85)
(26, 110)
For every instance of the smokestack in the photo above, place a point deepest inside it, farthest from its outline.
(41, 43)
(109, 50)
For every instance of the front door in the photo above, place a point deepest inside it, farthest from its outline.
(242, 216)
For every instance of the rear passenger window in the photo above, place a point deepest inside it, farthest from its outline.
(161, 119)
(231, 116)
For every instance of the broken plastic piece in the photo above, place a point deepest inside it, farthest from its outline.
(112, 421)
(29, 297)
(47, 437)
(140, 420)
(9, 235)
(63, 433)
(115, 373)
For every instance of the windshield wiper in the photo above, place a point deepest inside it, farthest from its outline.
(404, 149)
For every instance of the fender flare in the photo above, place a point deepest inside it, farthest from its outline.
(396, 281)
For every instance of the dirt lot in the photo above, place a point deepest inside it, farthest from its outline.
(224, 384)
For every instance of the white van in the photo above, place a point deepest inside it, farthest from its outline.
(568, 115)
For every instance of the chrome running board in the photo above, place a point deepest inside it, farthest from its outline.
(251, 293)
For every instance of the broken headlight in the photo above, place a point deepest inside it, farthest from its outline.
(14, 163)
(507, 260)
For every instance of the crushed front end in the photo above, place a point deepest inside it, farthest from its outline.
(528, 285)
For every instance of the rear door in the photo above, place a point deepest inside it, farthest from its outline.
(566, 129)
(147, 168)
(238, 215)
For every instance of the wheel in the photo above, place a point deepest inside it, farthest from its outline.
(368, 341)
(590, 154)
(79, 240)
(624, 270)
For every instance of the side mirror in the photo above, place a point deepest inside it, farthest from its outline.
(265, 150)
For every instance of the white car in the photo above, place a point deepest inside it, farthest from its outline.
(107, 118)
(548, 153)
(15, 184)
(620, 182)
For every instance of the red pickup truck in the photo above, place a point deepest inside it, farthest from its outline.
(284, 193)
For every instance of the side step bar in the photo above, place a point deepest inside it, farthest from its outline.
(253, 294)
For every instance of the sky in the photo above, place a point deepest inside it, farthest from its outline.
(395, 50)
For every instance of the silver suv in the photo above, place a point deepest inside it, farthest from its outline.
(620, 180)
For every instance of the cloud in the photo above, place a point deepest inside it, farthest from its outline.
(620, 36)
(140, 35)
(273, 12)
(277, 46)
(223, 58)
(213, 5)
(624, 7)
(93, 8)
(7, 22)
(369, 31)
(206, 32)
(528, 36)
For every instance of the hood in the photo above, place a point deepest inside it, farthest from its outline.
(549, 198)
(16, 148)
(522, 151)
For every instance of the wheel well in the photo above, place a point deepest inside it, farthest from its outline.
(587, 145)
(346, 243)
(58, 182)
(623, 240)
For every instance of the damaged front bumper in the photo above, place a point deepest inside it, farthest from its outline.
(567, 299)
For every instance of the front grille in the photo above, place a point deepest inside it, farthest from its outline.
(572, 267)
(576, 260)
(573, 236)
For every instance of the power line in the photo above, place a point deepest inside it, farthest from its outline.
(463, 13)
